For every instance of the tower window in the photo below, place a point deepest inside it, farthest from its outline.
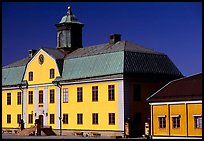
(198, 121)
(30, 76)
(176, 122)
(52, 73)
(162, 122)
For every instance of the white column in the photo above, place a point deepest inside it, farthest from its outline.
(45, 97)
(121, 105)
(35, 96)
(24, 107)
(57, 107)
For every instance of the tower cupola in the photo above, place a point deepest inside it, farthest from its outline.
(69, 32)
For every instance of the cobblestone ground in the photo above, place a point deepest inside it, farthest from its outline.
(13, 136)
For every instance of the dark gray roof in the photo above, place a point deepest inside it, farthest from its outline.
(108, 48)
(18, 63)
(54, 52)
(149, 63)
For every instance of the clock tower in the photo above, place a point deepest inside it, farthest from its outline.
(69, 32)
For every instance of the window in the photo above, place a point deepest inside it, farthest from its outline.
(65, 95)
(111, 118)
(52, 73)
(95, 118)
(30, 118)
(198, 121)
(18, 118)
(137, 92)
(30, 97)
(8, 118)
(52, 96)
(95, 93)
(8, 98)
(79, 94)
(162, 122)
(79, 118)
(137, 118)
(40, 97)
(111, 93)
(52, 118)
(176, 122)
(19, 98)
(30, 76)
(65, 119)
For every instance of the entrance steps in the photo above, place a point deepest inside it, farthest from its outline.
(47, 130)
(27, 131)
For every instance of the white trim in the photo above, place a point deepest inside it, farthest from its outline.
(175, 115)
(91, 81)
(197, 115)
(121, 105)
(40, 85)
(161, 116)
(170, 83)
(176, 102)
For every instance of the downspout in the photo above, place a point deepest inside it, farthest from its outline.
(57, 83)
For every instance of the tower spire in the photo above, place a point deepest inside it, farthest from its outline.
(69, 11)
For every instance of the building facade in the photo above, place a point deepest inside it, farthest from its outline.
(176, 109)
(76, 88)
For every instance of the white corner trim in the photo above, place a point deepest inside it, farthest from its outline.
(161, 116)
(176, 102)
(175, 115)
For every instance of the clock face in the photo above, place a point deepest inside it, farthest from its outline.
(41, 59)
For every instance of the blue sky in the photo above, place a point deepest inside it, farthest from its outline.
(174, 28)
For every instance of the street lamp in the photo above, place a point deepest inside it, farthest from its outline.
(57, 83)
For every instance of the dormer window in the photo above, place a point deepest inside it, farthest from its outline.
(30, 76)
(52, 73)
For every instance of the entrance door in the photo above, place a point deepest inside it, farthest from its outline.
(41, 120)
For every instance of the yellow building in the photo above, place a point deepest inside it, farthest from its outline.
(176, 109)
(75, 88)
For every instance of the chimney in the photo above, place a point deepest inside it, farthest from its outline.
(114, 38)
(31, 52)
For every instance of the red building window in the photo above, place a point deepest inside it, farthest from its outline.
(198, 121)
(176, 122)
(162, 122)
